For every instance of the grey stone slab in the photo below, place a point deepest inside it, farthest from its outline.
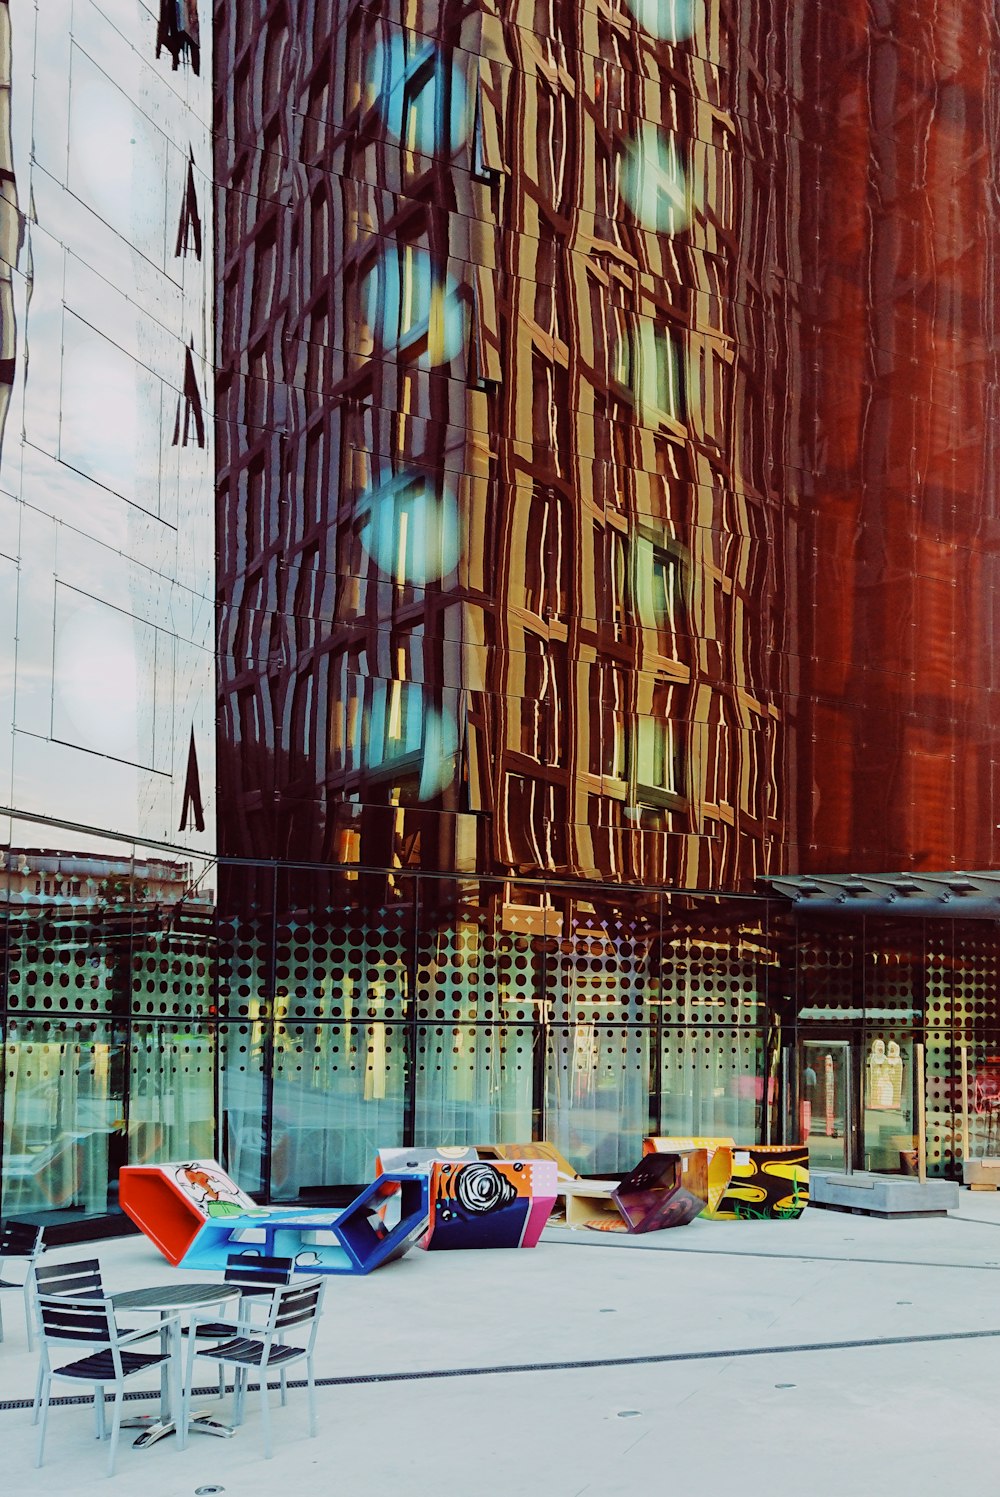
(884, 1195)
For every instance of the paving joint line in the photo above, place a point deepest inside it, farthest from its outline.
(684, 1252)
(350, 1380)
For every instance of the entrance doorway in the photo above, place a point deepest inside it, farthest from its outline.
(855, 1100)
(888, 1093)
(826, 1103)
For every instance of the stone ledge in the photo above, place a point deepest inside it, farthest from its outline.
(883, 1195)
(981, 1174)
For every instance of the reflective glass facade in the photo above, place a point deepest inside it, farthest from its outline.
(107, 684)
(542, 453)
(606, 475)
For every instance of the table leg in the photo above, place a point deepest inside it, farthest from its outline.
(177, 1372)
(168, 1348)
(205, 1423)
(202, 1421)
(157, 1426)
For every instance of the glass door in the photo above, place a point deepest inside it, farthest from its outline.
(826, 1103)
(888, 1089)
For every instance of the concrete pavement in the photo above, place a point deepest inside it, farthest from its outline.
(769, 1358)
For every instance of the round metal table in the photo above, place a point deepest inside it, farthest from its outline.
(168, 1300)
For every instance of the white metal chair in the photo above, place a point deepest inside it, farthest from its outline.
(21, 1240)
(79, 1280)
(260, 1344)
(87, 1321)
(256, 1275)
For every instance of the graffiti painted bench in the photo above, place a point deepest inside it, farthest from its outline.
(197, 1216)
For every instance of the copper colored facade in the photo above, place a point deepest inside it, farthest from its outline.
(607, 468)
(891, 470)
(501, 568)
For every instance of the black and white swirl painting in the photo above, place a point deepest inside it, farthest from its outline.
(480, 1188)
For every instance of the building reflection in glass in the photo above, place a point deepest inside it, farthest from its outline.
(108, 1057)
(591, 441)
(107, 1012)
(604, 516)
(521, 510)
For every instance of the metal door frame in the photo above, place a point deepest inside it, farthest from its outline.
(846, 1046)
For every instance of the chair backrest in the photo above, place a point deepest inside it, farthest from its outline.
(64, 1318)
(81, 1280)
(298, 1304)
(21, 1240)
(258, 1272)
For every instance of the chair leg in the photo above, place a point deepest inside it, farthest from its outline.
(116, 1424)
(311, 1389)
(265, 1414)
(29, 1316)
(43, 1419)
(99, 1411)
(38, 1393)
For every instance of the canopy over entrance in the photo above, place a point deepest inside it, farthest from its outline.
(962, 896)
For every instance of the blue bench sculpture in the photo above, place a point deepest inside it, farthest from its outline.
(197, 1216)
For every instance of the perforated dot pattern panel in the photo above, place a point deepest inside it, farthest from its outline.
(331, 1016)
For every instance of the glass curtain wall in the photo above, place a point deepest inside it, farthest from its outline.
(870, 995)
(291, 1022)
(107, 701)
(109, 1034)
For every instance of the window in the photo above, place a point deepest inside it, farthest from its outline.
(189, 424)
(420, 113)
(178, 32)
(414, 291)
(410, 531)
(408, 305)
(657, 758)
(657, 744)
(659, 373)
(369, 322)
(619, 348)
(395, 725)
(607, 722)
(617, 577)
(487, 157)
(552, 142)
(420, 93)
(485, 368)
(189, 226)
(657, 583)
(547, 554)
(654, 181)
